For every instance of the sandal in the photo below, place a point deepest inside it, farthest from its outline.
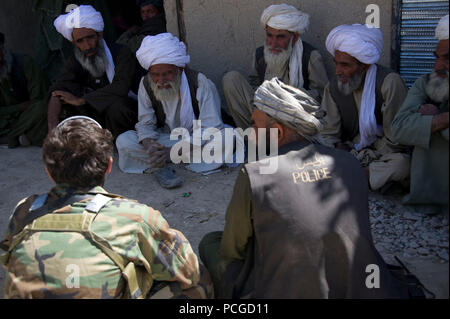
(167, 178)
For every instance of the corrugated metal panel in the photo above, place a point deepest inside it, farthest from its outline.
(418, 22)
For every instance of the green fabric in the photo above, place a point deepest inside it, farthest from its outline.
(33, 121)
(209, 251)
(429, 164)
(238, 227)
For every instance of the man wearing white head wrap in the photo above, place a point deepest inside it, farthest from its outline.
(361, 102)
(171, 96)
(423, 122)
(293, 233)
(95, 81)
(284, 56)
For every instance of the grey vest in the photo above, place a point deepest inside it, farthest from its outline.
(261, 64)
(348, 109)
(312, 234)
(192, 77)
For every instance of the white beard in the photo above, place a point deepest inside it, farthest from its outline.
(437, 88)
(163, 94)
(277, 63)
(96, 64)
(352, 84)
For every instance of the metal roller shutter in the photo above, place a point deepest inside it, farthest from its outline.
(418, 22)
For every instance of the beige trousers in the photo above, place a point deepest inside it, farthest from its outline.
(239, 96)
(392, 167)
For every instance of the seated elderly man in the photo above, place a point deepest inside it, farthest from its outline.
(423, 122)
(171, 97)
(23, 113)
(303, 231)
(284, 55)
(116, 252)
(361, 102)
(95, 81)
(153, 23)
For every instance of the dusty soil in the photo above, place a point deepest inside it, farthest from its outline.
(202, 212)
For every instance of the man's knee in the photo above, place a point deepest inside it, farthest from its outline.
(230, 80)
(210, 240)
(124, 139)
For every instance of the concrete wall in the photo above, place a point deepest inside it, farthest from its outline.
(223, 35)
(19, 24)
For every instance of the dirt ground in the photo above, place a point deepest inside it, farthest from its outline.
(202, 212)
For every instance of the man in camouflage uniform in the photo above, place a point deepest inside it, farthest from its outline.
(79, 241)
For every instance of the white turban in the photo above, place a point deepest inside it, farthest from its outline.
(286, 17)
(364, 43)
(442, 29)
(163, 48)
(80, 17)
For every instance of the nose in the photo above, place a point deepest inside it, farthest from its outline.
(272, 43)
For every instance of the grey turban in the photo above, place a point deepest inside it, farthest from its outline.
(290, 106)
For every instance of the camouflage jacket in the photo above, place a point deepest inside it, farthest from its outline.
(60, 264)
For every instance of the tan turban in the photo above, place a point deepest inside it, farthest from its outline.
(290, 106)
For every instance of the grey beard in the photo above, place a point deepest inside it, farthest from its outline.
(96, 64)
(352, 84)
(277, 63)
(163, 94)
(437, 87)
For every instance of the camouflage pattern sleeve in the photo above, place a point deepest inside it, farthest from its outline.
(63, 264)
(163, 251)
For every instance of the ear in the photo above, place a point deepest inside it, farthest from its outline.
(281, 131)
(108, 170)
(48, 173)
(181, 69)
(100, 34)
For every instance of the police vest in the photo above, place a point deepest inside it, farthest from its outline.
(312, 234)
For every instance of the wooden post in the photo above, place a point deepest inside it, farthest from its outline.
(396, 34)
(180, 20)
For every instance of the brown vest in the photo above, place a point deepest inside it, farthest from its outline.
(192, 77)
(261, 64)
(348, 109)
(312, 234)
